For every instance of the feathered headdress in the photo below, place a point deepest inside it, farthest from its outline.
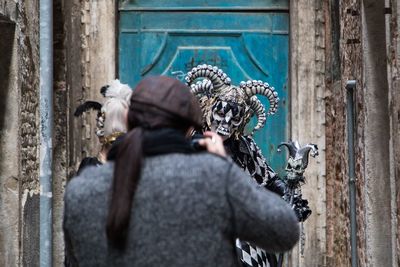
(115, 89)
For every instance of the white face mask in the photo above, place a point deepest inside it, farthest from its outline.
(226, 118)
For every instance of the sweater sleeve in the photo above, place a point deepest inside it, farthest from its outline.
(69, 260)
(260, 216)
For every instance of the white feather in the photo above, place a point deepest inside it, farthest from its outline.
(119, 90)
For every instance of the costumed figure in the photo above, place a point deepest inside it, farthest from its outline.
(227, 109)
(110, 121)
(294, 179)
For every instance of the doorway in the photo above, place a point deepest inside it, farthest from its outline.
(247, 40)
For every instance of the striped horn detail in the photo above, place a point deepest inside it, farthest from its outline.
(258, 108)
(252, 88)
(217, 77)
(203, 87)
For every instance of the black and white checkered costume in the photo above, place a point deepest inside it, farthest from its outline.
(251, 255)
(247, 155)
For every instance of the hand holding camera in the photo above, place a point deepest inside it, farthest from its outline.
(210, 142)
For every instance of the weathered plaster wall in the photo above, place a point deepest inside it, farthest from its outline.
(73, 51)
(98, 61)
(85, 56)
(84, 51)
(393, 42)
(90, 41)
(377, 136)
(308, 120)
(19, 169)
(84, 61)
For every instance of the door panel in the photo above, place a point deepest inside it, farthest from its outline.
(245, 44)
(204, 4)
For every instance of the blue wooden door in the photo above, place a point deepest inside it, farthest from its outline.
(248, 39)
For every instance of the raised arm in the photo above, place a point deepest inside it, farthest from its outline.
(260, 217)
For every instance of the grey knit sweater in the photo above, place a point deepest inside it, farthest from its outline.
(187, 211)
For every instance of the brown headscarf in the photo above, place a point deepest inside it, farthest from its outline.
(157, 102)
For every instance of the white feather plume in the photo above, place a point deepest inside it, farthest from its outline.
(119, 90)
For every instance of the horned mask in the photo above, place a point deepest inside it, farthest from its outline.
(228, 108)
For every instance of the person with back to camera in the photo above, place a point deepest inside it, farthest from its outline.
(162, 203)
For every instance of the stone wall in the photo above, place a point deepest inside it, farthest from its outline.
(19, 181)
(353, 37)
(345, 64)
(60, 140)
(394, 111)
(9, 162)
(19, 136)
(28, 45)
(368, 37)
(337, 194)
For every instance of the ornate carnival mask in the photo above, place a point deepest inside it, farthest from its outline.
(228, 108)
(226, 118)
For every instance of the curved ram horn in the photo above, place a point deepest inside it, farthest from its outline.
(258, 108)
(217, 77)
(203, 87)
(254, 87)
